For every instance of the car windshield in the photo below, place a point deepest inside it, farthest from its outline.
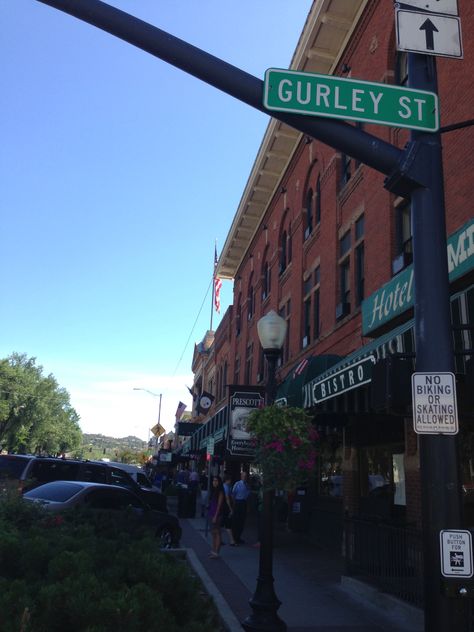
(12, 466)
(58, 492)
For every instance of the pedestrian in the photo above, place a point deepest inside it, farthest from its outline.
(214, 513)
(227, 514)
(203, 482)
(240, 494)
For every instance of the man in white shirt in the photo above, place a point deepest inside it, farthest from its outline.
(240, 494)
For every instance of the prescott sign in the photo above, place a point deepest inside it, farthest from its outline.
(333, 97)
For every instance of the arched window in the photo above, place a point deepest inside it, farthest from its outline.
(308, 214)
(283, 253)
(318, 199)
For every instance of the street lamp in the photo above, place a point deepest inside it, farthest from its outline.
(159, 408)
(271, 332)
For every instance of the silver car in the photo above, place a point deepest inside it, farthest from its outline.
(62, 495)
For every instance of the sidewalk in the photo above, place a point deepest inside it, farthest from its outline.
(307, 582)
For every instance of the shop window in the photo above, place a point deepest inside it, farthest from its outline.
(330, 464)
(382, 480)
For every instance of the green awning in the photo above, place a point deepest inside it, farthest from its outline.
(290, 391)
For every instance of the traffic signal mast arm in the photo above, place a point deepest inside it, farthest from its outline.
(354, 142)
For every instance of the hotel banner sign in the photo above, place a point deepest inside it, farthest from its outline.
(352, 376)
(398, 295)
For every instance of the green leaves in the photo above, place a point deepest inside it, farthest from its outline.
(35, 412)
(286, 445)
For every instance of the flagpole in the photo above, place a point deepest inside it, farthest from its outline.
(213, 283)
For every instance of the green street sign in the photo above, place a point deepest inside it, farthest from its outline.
(352, 99)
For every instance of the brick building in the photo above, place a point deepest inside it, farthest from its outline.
(318, 238)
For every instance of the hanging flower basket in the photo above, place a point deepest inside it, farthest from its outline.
(286, 445)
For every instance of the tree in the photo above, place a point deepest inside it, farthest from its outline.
(35, 412)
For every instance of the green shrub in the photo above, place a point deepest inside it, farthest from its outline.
(92, 572)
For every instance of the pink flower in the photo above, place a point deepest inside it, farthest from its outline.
(295, 441)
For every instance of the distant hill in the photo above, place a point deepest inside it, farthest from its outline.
(112, 443)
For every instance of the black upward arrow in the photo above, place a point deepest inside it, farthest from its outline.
(429, 29)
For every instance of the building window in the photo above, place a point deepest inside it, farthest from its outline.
(310, 324)
(345, 169)
(404, 238)
(266, 280)
(251, 300)
(238, 318)
(248, 364)
(285, 312)
(343, 308)
(401, 69)
(224, 380)
(318, 200)
(283, 253)
(285, 249)
(308, 214)
(359, 260)
(237, 371)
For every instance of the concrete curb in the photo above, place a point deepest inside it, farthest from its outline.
(229, 620)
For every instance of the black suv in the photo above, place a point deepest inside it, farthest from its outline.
(31, 471)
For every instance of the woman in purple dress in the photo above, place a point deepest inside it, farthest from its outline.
(214, 514)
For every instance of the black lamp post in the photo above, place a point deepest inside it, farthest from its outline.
(271, 332)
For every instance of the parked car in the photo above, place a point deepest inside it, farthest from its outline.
(137, 473)
(12, 467)
(31, 471)
(59, 496)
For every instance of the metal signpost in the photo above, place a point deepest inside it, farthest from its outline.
(336, 97)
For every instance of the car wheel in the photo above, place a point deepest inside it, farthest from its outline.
(165, 536)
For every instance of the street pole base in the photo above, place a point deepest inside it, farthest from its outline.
(263, 620)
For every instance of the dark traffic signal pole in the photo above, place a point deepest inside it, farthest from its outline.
(439, 463)
(415, 172)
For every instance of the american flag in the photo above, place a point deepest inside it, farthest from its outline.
(300, 368)
(180, 410)
(217, 285)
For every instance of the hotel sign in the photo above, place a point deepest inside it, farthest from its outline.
(397, 296)
(350, 377)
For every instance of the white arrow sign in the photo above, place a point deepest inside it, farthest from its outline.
(428, 33)
(449, 7)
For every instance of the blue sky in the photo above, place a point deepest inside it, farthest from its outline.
(117, 174)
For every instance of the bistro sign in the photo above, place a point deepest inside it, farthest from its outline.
(398, 295)
(346, 379)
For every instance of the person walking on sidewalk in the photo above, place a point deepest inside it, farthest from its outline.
(228, 508)
(214, 514)
(240, 494)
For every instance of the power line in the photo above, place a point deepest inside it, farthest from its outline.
(191, 332)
